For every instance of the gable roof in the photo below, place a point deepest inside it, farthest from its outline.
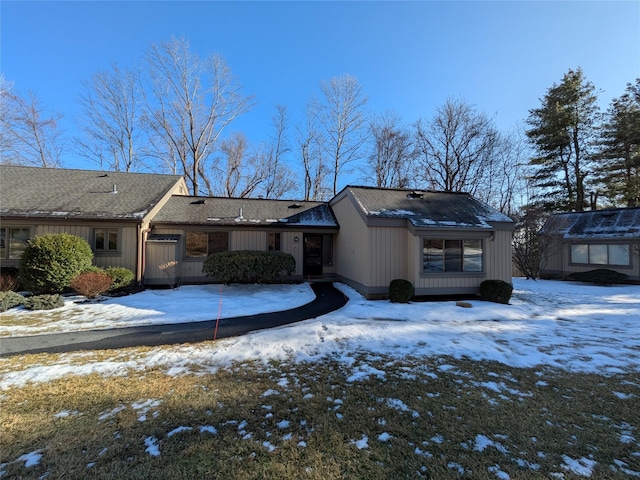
(244, 211)
(424, 208)
(83, 194)
(614, 223)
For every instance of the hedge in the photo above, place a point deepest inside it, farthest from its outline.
(599, 276)
(496, 291)
(400, 290)
(247, 266)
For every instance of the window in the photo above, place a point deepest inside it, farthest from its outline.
(273, 242)
(201, 244)
(451, 255)
(105, 239)
(13, 241)
(600, 254)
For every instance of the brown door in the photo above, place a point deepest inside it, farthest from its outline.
(312, 255)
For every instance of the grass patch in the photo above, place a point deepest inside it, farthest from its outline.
(409, 418)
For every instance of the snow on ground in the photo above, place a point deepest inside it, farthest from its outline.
(189, 303)
(571, 326)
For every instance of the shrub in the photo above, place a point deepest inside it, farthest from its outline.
(246, 266)
(400, 290)
(51, 261)
(122, 277)
(8, 283)
(43, 302)
(9, 300)
(91, 284)
(600, 276)
(496, 291)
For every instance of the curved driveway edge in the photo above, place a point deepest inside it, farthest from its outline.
(328, 299)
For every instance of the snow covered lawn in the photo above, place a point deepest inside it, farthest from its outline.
(546, 387)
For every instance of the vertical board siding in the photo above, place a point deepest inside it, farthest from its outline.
(289, 245)
(388, 255)
(159, 254)
(248, 240)
(497, 256)
(352, 252)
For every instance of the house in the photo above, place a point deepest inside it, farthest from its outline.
(444, 243)
(187, 229)
(110, 210)
(583, 241)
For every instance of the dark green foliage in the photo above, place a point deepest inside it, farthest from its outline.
(246, 266)
(51, 261)
(9, 300)
(600, 276)
(496, 291)
(400, 290)
(43, 302)
(122, 277)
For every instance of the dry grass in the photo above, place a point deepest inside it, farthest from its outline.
(434, 410)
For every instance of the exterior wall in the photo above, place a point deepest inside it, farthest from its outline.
(352, 249)
(558, 264)
(190, 269)
(126, 256)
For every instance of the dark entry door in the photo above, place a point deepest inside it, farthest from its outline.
(312, 255)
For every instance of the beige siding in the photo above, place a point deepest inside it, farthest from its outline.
(388, 254)
(497, 256)
(248, 240)
(352, 249)
(157, 254)
(288, 244)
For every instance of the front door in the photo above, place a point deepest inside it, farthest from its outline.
(312, 255)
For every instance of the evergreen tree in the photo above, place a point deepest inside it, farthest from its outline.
(620, 148)
(561, 133)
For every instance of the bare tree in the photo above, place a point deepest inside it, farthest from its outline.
(239, 172)
(311, 145)
(194, 100)
(112, 108)
(279, 177)
(343, 120)
(455, 148)
(391, 151)
(29, 135)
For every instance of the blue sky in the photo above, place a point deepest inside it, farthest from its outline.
(409, 57)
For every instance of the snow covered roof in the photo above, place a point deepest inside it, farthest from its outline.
(614, 223)
(245, 211)
(427, 209)
(83, 194)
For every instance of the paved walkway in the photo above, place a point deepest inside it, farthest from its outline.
(328, 299)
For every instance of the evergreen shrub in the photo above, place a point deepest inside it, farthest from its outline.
(497, 291)
(599, 276)
(91, 284)
(9, 299)
(122, 277)
(247, 266)
(400, 291)
(43, 302)
(51, 261)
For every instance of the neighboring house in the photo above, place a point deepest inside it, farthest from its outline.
(110, 210)
(583, 241)
(187, 229)
(444, 243)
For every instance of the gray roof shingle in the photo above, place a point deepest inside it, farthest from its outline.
(83, 194)
(614, 223)
(244, 211)
(427, 209)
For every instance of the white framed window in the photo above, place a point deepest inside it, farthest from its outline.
(600, 254)
(448, 255)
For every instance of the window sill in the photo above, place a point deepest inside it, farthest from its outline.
(453, 275)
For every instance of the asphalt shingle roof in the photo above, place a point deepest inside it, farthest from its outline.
(427, 209)
(86, 194)
(244, 211)
(614, 223)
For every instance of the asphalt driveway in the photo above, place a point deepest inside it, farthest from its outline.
(328, 299)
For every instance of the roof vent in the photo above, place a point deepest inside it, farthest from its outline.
(295, 205)
(200, 201)
(114, 189)
(415, 194)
